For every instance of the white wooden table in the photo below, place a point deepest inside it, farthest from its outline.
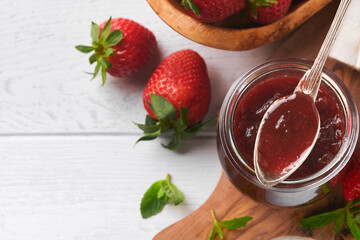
(68, 167)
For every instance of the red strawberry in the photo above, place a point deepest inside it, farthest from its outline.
(267, 11)
(351, 181)
(212, 10)
(121, 47)
(177, 96)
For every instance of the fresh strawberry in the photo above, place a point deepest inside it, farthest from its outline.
(177, 96)
(212, 10)
(121, 47)
(267, 11)
(351, 181)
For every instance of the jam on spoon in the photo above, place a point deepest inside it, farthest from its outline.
(273, 164)
(286, 135)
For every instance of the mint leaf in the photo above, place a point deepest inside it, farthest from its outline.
(352, 224)
(339, 222)
(84, 49)
(95, 31)
(190, 5)
(114, 38)
(213, 233)
(173, 193)
(151, 204)
(321, 220)
(162, 108)
(158, 195)
(235, 223)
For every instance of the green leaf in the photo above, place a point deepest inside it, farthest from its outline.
(150, 121)
(93, 58)
(149, 136)
(219, 231)
(183, 116)
(213, 233)
(95, 31)
(355, 210)
(253, 9)
(188, 4)
(353, 226)
(235, 223)
(321, 220)
(194, 129)
(148, 128)
(339, 222)
(175, 142)
(114, 38)
(106, 30)
(106, 63)
(354, 202)
(97, 69)
(357, 218)
(173, 193)
(84, 49)
(162, 108)
(150, 203)
(103, 75)
(109, 52)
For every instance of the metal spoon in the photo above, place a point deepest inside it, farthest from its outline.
(309, 86)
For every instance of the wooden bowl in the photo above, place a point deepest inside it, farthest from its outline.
(228, 34)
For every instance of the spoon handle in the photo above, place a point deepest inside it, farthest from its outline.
(312, 77)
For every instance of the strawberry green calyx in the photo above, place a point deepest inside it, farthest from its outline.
(167, 115)
(101, 46)
(190, 5)
(254, 4)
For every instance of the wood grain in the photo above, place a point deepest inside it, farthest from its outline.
(228, 203)
(234, 38)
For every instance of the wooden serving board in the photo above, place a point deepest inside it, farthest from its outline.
(227, 202)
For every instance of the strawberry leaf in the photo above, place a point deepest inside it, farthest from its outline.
(355, 202)
(219, 231)
(173, 193)
(194, 129)
(97, 69)
(148, 128)
(103, 75)
(106, 30)
(174, 144)
(149, 136)
(190, 5)
(84, 49)
(150, 121)
(151, 203)
(95, 31)
(183, 116)
(114, 38)
(235, 223)
(162, 108)
(93, 58)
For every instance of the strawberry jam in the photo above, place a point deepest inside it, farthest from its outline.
(251, 109)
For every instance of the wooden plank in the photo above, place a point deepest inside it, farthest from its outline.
(90, 187)
(44, 89)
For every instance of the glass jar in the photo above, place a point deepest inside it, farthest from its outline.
(294, 192)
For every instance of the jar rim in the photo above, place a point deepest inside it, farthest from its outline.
(322, 176)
